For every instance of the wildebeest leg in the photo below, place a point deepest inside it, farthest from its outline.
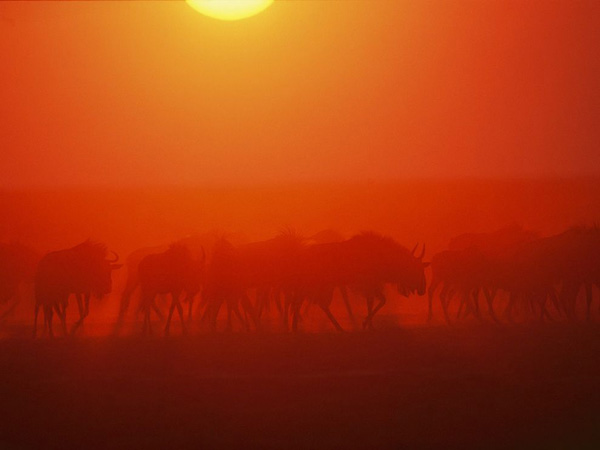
(444, 302)
(190, 307)
(475, 299)
(180, 310)
(215, 315)
(211, 313)
(382, 301)
(471, 305)
(292, 308)
(540, 299)
(238, 314)
(61, 310)
(174, 302)
(81, 308)
(157, 310)
(247, 307)
(344, 292)
(431, 291)
(489, 297)
(48, 318)
(324, 305)
(207, 310)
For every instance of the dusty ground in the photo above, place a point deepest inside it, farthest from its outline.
(473, 387)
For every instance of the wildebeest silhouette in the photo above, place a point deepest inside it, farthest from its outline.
(458, 271)
(581, 268)
(365, 263)
(265, 267)
(328, 236)
(196, 243)
(173, 272)
(17, 267)
(82, 270)
(226, 284)
(475, 263)
(268, 266)
(132, 281)
(531, 277)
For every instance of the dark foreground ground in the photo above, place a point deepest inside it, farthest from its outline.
(477, 387)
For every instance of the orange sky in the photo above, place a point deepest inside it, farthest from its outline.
(136, 93)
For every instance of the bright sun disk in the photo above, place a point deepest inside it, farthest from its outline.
(229, 9)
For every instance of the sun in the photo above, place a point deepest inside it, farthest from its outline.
(229, 9)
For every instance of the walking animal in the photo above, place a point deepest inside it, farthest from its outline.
(365, 263)
(82, 270)
(171, 272)
(475, 263)
(196, 243)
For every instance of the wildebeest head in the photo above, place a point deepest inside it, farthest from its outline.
(388, 261)
(95, 267)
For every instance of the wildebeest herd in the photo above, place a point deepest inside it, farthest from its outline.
(541, 277)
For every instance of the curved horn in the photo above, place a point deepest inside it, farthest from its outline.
(422, 252)
(113, 260)
(414, 249)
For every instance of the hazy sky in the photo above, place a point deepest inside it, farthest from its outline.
(123, 93)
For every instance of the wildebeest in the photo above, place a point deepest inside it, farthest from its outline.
(533, 274)
(17, 268)
(264, 266)
(173, 271)
(569, 261)
(580, 254)
(461, 271)
(365, 263)
(226, 285)
(475, 263)
(267, 266)
(196, 243)
(82, 270)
